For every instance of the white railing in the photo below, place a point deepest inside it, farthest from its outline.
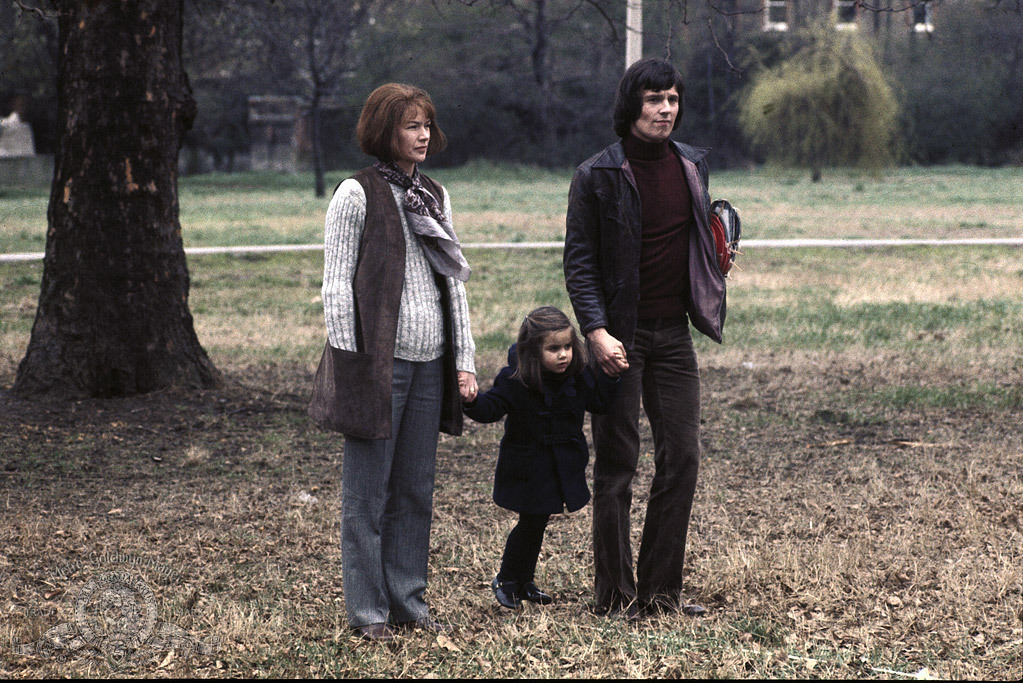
(746, 244)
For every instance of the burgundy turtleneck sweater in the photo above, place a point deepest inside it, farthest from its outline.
(667, 211)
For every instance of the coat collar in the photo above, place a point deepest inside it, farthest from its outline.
(614, 155)
(567, 388)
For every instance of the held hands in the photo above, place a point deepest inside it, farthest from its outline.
(467, 386)
(608, 352)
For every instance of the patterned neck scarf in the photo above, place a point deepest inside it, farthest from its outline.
(427, 221)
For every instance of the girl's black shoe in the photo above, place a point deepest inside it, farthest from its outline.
(507, 593)
(530, 592)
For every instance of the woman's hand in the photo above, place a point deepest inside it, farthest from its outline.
(608, 352)
(467, 386)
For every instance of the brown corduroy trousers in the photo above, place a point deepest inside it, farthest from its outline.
(663, 371)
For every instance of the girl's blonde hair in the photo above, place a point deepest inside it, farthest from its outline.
(534, 329)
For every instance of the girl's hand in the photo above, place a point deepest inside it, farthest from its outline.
(467, 386)
(608, 352)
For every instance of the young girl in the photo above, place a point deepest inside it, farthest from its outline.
(541, 467)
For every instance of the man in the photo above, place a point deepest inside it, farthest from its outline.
(640, 264)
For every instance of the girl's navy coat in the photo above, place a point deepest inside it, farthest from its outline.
(541, 466)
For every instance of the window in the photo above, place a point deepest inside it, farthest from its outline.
(845, 11)
(923, 21)
(776, 15)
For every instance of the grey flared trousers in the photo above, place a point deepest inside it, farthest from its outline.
(387, 503)
(663, 371)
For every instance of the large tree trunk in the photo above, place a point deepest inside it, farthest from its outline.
(113, 316)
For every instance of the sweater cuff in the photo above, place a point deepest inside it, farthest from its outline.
(465, 360)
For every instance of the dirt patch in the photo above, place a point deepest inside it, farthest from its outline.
(832, 536)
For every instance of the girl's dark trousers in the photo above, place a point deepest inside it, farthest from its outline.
(522, 550)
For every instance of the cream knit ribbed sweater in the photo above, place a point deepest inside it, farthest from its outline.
(420, 335)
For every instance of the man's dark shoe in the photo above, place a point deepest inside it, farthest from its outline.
(424, 624)
(530, 592)
(630, 612)
(507, 593)
(663, 605)
(379, 633)
(659, 605)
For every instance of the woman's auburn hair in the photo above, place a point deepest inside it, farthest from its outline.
(385, 110)
(529, 346)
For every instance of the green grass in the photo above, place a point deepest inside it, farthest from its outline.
(490, 203)
(521, 203)
(907, 202)
(892, 325)
(984, 396)
(950, 305)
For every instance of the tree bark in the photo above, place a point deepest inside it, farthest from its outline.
(542, 74)
(315, 112)
(113, 316)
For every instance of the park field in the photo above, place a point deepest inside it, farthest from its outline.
(523, 204)
(857, 514)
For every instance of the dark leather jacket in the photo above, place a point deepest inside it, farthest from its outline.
(603, 239)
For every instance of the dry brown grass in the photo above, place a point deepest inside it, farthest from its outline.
(838, 532)
(827, 540)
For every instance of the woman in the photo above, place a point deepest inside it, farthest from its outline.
(400, 358)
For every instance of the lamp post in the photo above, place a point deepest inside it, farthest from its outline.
(633, 31)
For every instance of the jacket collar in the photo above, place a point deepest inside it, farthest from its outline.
(567, 388)
(614, 155)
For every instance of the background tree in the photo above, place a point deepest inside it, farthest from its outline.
(113, 315)
(962, 85)
(827, 105)
(321, 41)
(521, 79)
(224, 61)
(703, 39)
(543, 26)
(531, 82)
(28, 58)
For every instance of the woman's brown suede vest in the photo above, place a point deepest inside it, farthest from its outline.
(352, 390)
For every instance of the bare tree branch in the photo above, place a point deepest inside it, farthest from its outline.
(671, 33)
(36, 10)
(726, 13)
(724, 53)
(877, 8)
(607, 19)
